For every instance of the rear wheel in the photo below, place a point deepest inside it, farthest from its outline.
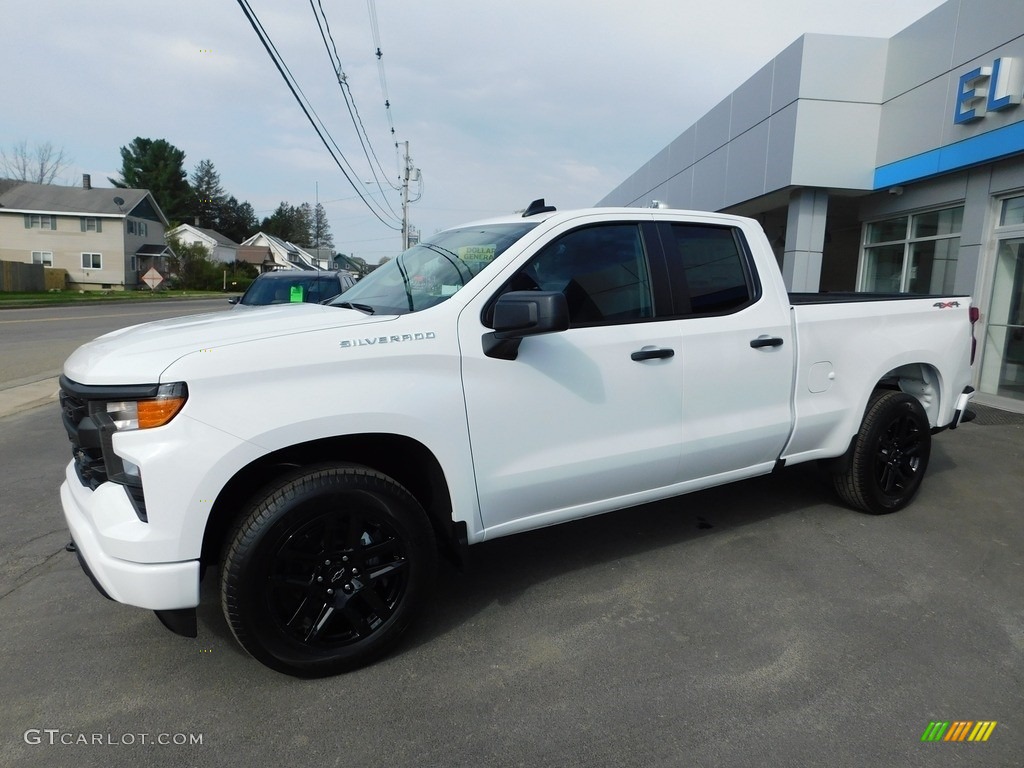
(889, 455)
(327, 570)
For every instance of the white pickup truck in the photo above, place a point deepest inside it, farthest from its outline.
(495, 378)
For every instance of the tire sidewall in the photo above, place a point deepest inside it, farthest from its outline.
(289, 506)
(884, 411)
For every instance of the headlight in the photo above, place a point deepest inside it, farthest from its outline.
(149, 412)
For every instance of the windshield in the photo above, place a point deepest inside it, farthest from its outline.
(308, 288)
(431, 271)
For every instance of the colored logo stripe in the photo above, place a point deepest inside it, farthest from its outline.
(958, 730)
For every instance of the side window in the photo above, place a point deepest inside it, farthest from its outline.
(602, 270)
(713, 268)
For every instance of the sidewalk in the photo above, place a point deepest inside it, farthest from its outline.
(18, 399)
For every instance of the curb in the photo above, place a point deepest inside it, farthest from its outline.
(19, 399)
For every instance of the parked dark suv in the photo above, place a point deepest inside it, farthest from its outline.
(294, 286)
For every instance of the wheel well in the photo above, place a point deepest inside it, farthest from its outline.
(405, 460)
(920, 380)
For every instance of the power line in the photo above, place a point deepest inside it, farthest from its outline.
(307, 109)
(350, 102)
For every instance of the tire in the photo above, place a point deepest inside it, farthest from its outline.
(327, 570)
(889, 455)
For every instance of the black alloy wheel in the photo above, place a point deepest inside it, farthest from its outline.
(890, 455)
(327, 570)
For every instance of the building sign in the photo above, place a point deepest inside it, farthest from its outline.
(989, 89)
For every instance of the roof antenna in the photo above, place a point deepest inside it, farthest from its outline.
(537, 206)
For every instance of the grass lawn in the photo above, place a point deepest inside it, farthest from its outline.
(10, 300)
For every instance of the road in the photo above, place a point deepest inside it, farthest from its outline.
(757, 625)
(35, 342)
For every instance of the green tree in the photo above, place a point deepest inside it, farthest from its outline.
(158, 166)
(292, 223)
(209, 197)
(192, 268)
(237, 220)
(322, 236)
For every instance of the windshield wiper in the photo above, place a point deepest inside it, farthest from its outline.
(352, 305)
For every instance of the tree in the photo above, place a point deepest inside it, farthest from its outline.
(40, 165)
(237, 220)
(192, 267)
(208, 195)
(158, 166)
(291, 223)
(321, 228)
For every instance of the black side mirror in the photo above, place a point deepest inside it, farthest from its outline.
(234, 299)
(518, 314)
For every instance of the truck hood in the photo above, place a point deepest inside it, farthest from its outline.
(140, 353)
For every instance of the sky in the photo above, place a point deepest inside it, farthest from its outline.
(500, 102)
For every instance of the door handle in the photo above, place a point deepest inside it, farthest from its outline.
(652, 354)
(766, 341)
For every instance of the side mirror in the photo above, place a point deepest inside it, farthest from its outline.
(519, 314)
(528, 313)
(234, 299)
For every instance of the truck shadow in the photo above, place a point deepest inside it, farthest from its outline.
(502, 571)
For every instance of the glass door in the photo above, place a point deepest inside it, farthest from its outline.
(1002, 370)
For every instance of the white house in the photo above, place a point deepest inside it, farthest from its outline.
(286, 255)
(218, 247)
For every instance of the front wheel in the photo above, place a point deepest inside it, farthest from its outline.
(890, 455)
(327, 570)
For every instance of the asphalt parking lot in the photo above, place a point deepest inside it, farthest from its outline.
(758, 624)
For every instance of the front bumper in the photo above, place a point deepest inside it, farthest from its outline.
(107, 513)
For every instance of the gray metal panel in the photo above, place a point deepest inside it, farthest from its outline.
(684, 149)
(983, 25)
(938, 192)
(752, 101)
(1008, 176)
(786, 75)
(781, 143)
(712, 130)
(967, 261)
(745, 168)
(709, 181)
(914, 122)
(976, 207)
(835, 144)
(842, 68)
(678, 191)
(922, 51)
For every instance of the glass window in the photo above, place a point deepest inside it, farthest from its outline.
(601, 270)
(887, 231)
(912, 254)
(712, 261)
(43, 257)
(92, 261)
(1013, 212)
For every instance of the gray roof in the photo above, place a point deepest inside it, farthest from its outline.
(24, 196)
(221, 239)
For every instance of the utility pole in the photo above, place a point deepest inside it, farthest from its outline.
(405, 199)
(408, 173)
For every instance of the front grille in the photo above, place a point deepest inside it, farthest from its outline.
(91, 431)
(86, 441)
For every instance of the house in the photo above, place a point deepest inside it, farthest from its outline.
(283, 254)
(218, 247)
(105, 239)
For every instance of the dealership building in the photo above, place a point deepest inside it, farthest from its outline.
(891, 165)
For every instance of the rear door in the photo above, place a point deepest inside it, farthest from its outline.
(736, 351)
